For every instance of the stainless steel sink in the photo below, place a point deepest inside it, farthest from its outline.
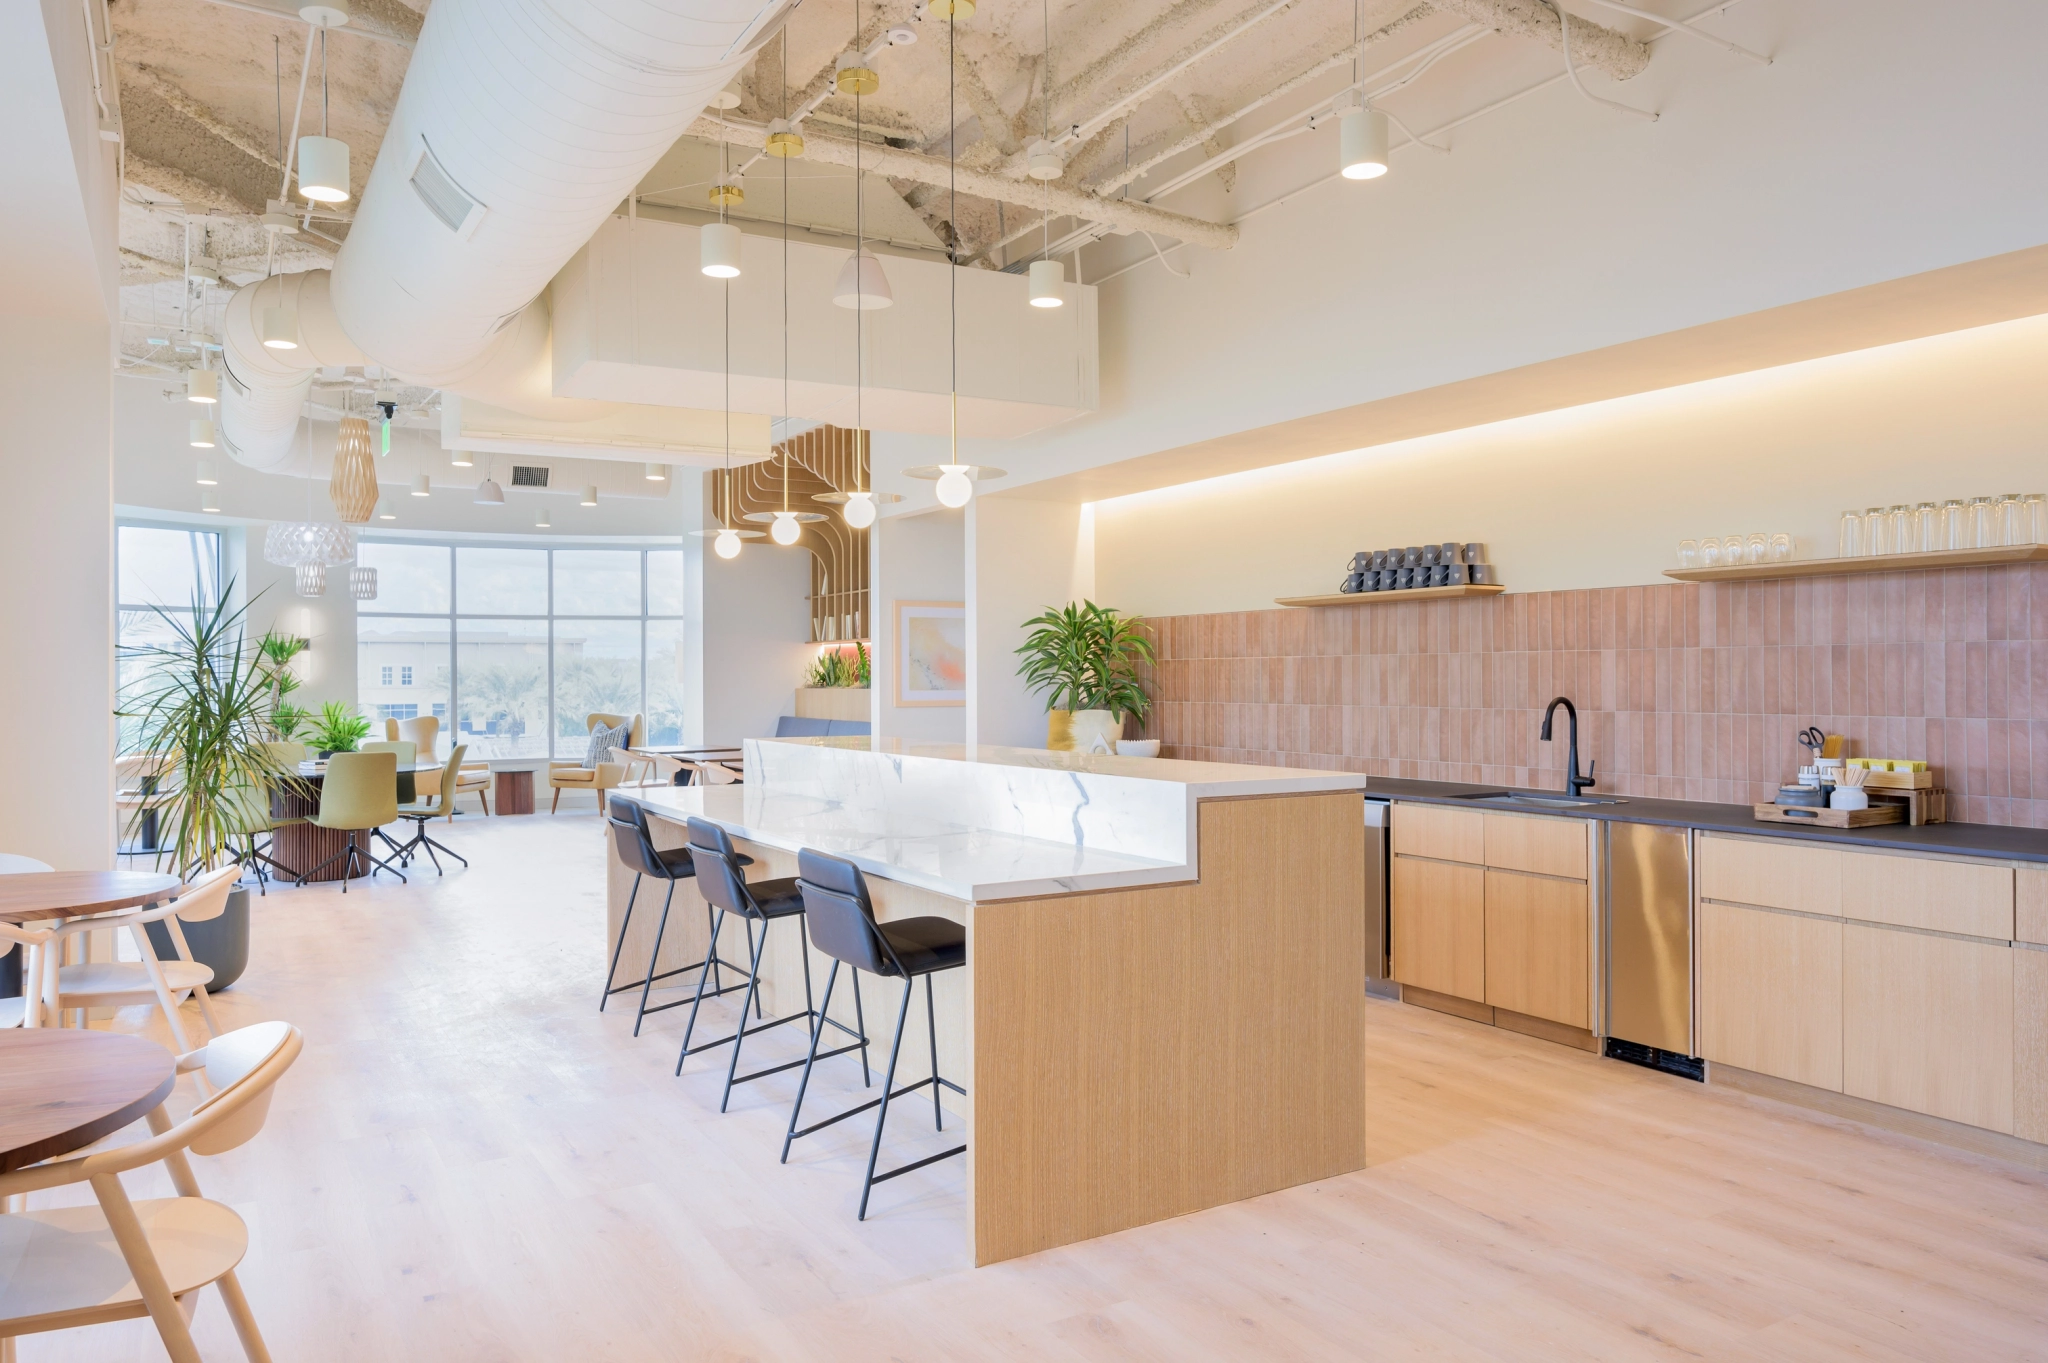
(1538, 798)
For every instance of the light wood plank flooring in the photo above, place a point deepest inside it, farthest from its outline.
(470, 1164)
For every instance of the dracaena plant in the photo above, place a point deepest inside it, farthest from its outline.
(1087, 657)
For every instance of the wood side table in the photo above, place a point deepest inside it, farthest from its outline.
(515, 792)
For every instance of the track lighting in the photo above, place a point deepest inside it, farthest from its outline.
(202, 434)
(207, 477)
(1362, 143)
(202, 385)
(862, 285)
(718, 250)
(323, 169)
(589, 494)
(1048, 280)
(280, 328)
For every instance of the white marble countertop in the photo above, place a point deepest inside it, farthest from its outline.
(996, 823)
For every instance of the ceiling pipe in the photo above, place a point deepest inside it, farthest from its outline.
(1605, 50)
(487, 182)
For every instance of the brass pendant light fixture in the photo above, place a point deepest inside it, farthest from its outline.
(725, 540)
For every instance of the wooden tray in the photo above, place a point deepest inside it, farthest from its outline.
(1899, 780)
(1830, 818)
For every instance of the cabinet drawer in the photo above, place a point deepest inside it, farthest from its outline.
(1444, 834)
(1927, 1024)
(1771, 993)
(1438, 916)
(1917, 892)
(1536, 946)
(1532, 842)
(1774, 873)
(2030, 1044)
(2030, 905)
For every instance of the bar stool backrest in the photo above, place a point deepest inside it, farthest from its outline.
(840, 915)
(719, 878)
(632, 841)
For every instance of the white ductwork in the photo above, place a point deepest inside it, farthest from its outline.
(266, 389)
(520, 127)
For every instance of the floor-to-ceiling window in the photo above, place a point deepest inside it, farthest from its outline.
(157, 568)
(513, 648)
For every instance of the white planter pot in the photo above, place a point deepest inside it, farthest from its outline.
(1096, 731)
(1137, 747)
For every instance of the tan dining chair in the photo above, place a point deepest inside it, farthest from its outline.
(472, 778)
(606, 774)
(422, 731)
(123, 1259)
(15, 1012)
(116, 984)
(359, 795)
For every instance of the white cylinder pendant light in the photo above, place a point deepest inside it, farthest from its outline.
(1048, 284)
(202, 385)
(207, 477)
(385, 512)
(718, 250)
(727, 543)
(461, 459)
(860, 510)
(209, 500)
(1362, 143)
(323, 169)
(421, 487)
(280, 328)
(657, 473)
(541, 521)
(862, 285)
(202, 434)
(590, 494)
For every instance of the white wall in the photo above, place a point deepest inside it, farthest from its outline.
(755, 643)
(1600, 495)
(1022, 556)
(920, 557)
(56, 347)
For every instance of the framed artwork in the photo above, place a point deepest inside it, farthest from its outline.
(931, 653)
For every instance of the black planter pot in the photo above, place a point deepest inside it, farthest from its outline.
(222, 942)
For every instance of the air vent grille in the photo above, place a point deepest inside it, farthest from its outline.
(524, 475)
(444, 198)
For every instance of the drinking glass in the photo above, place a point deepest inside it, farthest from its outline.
(1927, 523)
(1905, 530)
(1688, 553)
(1955, 524)
(1849, 541)
(1877, 531)
(1710, 552)
(2036, 504)
(2013, 526)
(1983, 523)
(1756, 548)
(1781, 547)
(1731, 551)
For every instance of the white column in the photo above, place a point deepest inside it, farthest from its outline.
(1022, 556)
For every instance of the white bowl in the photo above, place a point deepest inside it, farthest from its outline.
(1137, 747)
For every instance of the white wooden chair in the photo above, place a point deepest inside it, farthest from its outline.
(14, 1012)
(103, 984)
(119, 1260)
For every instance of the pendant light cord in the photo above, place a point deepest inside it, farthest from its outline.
(860, 271)
(786, 437)
(1045, 123)
(953, 223)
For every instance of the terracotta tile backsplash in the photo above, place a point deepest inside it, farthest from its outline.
(1684, 691)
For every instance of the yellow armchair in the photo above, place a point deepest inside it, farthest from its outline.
(605, 775)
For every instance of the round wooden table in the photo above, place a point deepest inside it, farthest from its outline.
(302, 845)
(63, 1089)
(76, 894)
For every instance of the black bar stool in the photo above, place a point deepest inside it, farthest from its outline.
(842, 919)
(724, 885)
(636, 849)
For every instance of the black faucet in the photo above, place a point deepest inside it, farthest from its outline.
(1573, 782)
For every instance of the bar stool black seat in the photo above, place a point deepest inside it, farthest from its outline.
(725, 887)
(843, 925)
(635, 845)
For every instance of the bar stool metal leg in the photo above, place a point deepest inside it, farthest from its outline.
(654, 955)
(619, 946)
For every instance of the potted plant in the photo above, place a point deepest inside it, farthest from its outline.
(277, 651)
(1085, 659)
(338, 729)
(200, 705)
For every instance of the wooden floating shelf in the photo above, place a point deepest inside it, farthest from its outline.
(1390, 598)
(1873, 563)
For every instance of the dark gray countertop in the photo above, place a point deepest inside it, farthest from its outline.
(1956, 839)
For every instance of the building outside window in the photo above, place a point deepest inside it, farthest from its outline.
(521, 645)
(158, 569)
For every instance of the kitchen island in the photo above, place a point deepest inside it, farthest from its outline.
(1163, 1008)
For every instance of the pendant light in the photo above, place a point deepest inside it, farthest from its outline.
(589, 495)
(323, 160)
(352, 486)
(859, 512)
(207, 477)
(421, 487)
(201, 434)
(209, 500)
(657, 473)
(1361, 129)
(861, 284)
(718, 243)
(786, 525)
(362, 583)
(385, 512)
(488, 493)
(1048, 276)
(310, 579)
(461, 459)
(202, 385)
(280, 330)
(725, 540)
(541, 520)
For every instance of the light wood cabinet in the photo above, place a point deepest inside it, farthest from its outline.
(1439, 923)
(1771, 993)
(1440, 833)
(1969, 897)
(1927, 1024)
(2030, 1044)
(1770, 873)
(1536, 947)
(1533, 842)
(2030, 905)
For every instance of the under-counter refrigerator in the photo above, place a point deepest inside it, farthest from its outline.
(1649, 953)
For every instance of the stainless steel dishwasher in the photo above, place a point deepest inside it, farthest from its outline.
(1649, 948)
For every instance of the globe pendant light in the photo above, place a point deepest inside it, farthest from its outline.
(323, 160)
(727, 542)
(860, 510)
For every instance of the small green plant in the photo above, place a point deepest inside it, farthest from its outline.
(287, 720)
(837, 669)
(338, 729)
(1086, 657)
(275, 653)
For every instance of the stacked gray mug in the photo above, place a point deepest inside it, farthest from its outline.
(1449, 564)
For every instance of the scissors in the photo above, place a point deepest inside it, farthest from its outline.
(1813, 738)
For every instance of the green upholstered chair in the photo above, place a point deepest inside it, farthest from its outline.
(360, 794)
(250, 825)
(408, 783)
(433, 807)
